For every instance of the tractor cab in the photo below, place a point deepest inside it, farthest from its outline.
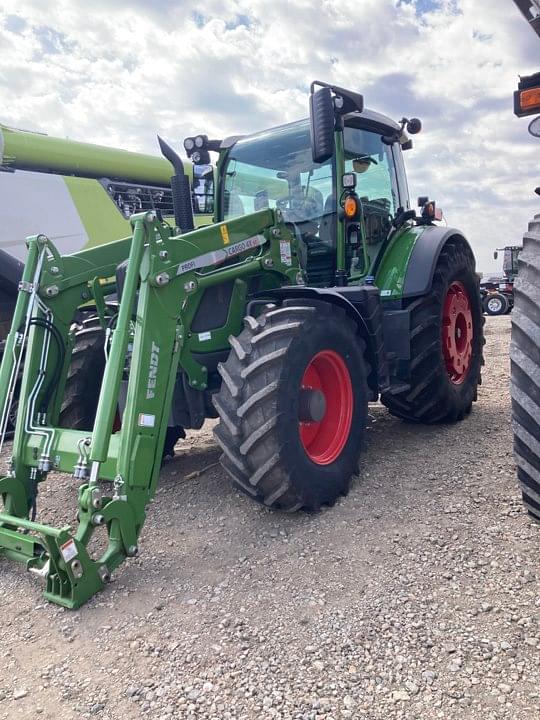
(275, 169)
(341, 203)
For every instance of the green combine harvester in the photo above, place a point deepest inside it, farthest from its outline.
(316, 291)
(81, 195)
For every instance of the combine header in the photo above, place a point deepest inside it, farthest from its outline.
(317, 291)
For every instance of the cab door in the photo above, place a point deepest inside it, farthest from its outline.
(373, 163)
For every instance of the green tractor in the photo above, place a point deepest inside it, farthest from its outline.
(316, 291)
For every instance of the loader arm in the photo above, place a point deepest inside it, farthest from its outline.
(165, 281)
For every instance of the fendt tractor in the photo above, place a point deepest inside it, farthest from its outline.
(80, 195)
(524, 348)
(498, 293)
(316, 291)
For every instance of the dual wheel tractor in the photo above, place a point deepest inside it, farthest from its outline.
(316, 291)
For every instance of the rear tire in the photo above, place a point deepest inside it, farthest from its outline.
(525, 369)
(274, 448)
(496, 304)
(439, 389)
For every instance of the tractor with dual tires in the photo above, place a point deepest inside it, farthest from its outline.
(316, 290)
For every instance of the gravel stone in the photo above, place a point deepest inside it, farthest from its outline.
(416, 596)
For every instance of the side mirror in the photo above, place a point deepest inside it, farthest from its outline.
(495, 255)
(321, 116)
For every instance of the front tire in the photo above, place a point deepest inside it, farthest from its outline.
(446, 341)
(293, 406)
(525, 369)
(83, 383)
(6, 313)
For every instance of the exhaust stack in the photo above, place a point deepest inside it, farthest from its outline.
(181, 190)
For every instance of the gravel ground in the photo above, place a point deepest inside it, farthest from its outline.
(414, 597)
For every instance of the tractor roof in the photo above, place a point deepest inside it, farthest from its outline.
(367, 119)
(372, 120)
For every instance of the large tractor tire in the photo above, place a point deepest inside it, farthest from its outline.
(525, 369)
(84, 378)
(83, 384)
(446, 344)
(496, 304)
(293, 406)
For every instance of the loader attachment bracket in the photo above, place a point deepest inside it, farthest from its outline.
(147, 341)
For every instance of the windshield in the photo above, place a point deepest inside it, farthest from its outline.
(274, 169)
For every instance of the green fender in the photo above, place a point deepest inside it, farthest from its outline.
(409, 263)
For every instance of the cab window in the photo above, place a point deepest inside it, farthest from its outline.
(376, 184)
(373, 162)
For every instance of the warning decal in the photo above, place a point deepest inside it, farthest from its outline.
(225, 234)
(69, 550)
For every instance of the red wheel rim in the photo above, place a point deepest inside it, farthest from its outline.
(323, 441)
(457, 333)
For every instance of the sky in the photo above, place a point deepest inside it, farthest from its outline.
(122, 72)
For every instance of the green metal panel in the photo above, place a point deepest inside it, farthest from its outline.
(98, 212)
(391, 274)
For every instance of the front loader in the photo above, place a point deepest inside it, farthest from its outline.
(317, 291)
(80, 195)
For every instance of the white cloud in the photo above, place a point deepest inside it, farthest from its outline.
(122, 72)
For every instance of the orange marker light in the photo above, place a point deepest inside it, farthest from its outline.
(350, 207)
(530, 99)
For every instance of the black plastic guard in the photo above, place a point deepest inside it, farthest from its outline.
(11, 271)
(424, 256)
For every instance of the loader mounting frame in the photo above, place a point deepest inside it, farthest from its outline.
(165, 280)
